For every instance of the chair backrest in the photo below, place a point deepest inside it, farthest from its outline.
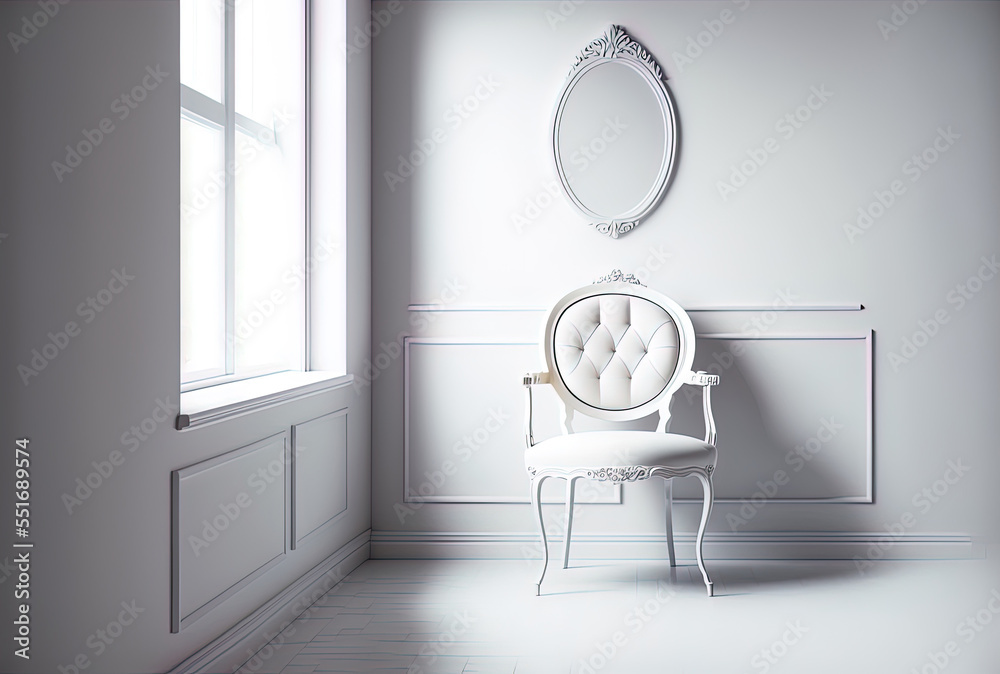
(617, 350)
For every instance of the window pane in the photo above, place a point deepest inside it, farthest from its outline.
(203, 252)
(270, 57)
(270, 186)
(270, 240)
(201, 46)
(244, 57)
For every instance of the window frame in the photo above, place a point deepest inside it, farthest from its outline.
(327, 352)
(199, 108)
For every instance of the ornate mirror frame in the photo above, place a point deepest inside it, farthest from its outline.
(617, 45)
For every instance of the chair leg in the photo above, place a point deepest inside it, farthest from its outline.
(706, 484)
(668, 488)
(570, 492)
(536, 502)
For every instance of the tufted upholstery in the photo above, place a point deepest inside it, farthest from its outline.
(614, 351)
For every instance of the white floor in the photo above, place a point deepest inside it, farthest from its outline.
(420, 616)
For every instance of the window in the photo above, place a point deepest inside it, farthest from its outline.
(245, 234)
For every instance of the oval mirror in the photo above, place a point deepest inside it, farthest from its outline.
(614, 133)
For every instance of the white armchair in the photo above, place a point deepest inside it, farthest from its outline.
(618, 351)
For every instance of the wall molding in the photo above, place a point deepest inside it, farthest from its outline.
(298, 538)
(179, 620)
(785, 545)
(868, 337)
(479, 308)
(228, 651)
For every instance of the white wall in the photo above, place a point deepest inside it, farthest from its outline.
(63, 242)
(891, 92)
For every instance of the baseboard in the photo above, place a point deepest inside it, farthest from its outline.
(722, 545)
(232, 649)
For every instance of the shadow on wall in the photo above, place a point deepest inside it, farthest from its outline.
(790, 436)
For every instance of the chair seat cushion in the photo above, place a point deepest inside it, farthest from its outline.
(599, 449)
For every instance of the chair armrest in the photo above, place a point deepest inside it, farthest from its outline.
(531, 379)
(702, 378)
(534, 378)
(706, 382)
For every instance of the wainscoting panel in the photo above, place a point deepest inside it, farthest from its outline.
(319, 473)
(794, 415)
(230, 524)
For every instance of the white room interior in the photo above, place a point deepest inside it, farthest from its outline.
(862, 333)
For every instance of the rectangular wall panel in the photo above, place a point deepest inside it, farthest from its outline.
(794, 417)
(319, 474)
(793, 412)
(230, 524)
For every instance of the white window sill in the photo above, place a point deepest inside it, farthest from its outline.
(226, 401)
